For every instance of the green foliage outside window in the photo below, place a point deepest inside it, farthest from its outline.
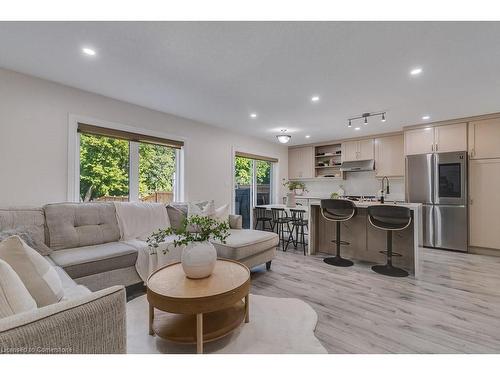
(243, 171)
(104, 167)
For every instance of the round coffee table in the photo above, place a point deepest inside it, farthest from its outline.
(198, 310)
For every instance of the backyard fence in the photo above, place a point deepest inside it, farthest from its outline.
(156, 197)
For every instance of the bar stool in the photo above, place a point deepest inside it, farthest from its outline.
(338, 210)
(298, 224)
(261, 217)
(280, 219)
(389, 218)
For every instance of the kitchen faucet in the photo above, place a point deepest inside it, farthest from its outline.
(382, 190)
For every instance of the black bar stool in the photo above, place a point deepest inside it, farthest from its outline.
(338, 210)
(261, 217)
(389, 218)
(298, 224)
(280, 219)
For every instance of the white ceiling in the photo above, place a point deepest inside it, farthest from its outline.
(220, 72)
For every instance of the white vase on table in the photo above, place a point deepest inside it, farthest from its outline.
(198, 259)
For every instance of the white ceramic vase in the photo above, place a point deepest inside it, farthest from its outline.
(290, 199)
(198, 259)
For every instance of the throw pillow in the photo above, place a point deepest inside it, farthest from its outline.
(176, 214)
(14, 297)
(201, 208)
(222, 213)
(26, 237)
(38, 276)
(138, 220)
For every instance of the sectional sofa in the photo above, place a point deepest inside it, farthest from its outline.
(83, 244)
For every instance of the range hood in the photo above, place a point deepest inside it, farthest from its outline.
(358, 166)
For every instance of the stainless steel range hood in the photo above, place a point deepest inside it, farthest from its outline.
(358, 166)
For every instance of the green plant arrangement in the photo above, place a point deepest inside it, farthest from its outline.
(292, 185)
(193, 229)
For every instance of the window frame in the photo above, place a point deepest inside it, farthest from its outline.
(274, 180)
(73, 188)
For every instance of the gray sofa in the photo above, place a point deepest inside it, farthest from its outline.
(85, 249)
(85, 241)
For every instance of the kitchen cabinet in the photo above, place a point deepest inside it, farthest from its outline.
(389, 156)
(484, 138)
(450, 138)
(357, 150)
(301, 162)
(419, 141)
(446, 138)
(484, 207)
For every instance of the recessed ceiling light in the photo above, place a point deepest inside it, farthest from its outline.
(315, 98)
(416, 71)
(426, 117)
(88, 51)
(357, 128)
(253, 115)
(308, 136)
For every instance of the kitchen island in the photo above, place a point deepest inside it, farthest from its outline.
(365, 240)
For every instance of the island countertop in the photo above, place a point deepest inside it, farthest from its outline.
(366, 241)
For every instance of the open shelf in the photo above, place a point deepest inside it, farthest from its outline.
(331, 154)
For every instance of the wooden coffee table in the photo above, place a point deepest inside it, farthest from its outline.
(198, 310)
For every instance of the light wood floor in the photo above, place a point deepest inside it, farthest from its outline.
(454, 308)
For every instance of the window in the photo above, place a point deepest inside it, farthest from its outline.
(123, 166)
(253, 184)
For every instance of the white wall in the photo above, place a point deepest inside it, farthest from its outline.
(34, 141)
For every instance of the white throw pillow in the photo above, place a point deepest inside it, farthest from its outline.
(222, 213)
(36, 273)
(201, 208)
(14, 297)
(138, 220)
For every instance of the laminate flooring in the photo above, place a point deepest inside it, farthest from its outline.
(453, 308)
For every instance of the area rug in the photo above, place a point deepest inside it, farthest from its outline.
(277, 325)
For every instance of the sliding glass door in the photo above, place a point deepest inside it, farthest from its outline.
(253, 186)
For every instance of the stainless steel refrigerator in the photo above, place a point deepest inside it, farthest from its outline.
(439, 182)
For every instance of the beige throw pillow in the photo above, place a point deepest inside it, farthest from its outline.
(201, 208)
(14, 297)
(222, 213)
(36, 273)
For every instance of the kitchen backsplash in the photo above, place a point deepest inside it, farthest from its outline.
(357, 183)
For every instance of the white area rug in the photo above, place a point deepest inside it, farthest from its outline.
(277, 325)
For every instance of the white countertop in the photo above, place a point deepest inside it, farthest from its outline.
(411, 206)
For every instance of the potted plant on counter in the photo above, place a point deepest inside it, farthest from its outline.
(199, 255)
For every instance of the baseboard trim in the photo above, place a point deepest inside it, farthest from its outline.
(484, 251)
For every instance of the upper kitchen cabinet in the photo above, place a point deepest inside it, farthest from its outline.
(357, 150)
(389, 156)
(446, 138)
(484, 138)
(419, 141)
(450, 138)
(301, 162)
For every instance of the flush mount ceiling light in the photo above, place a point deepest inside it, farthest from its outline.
(426, 117)
(88, 51)
(283, 138)
(253, 115)
(315, 98)
(365, 116)
(416, 71)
